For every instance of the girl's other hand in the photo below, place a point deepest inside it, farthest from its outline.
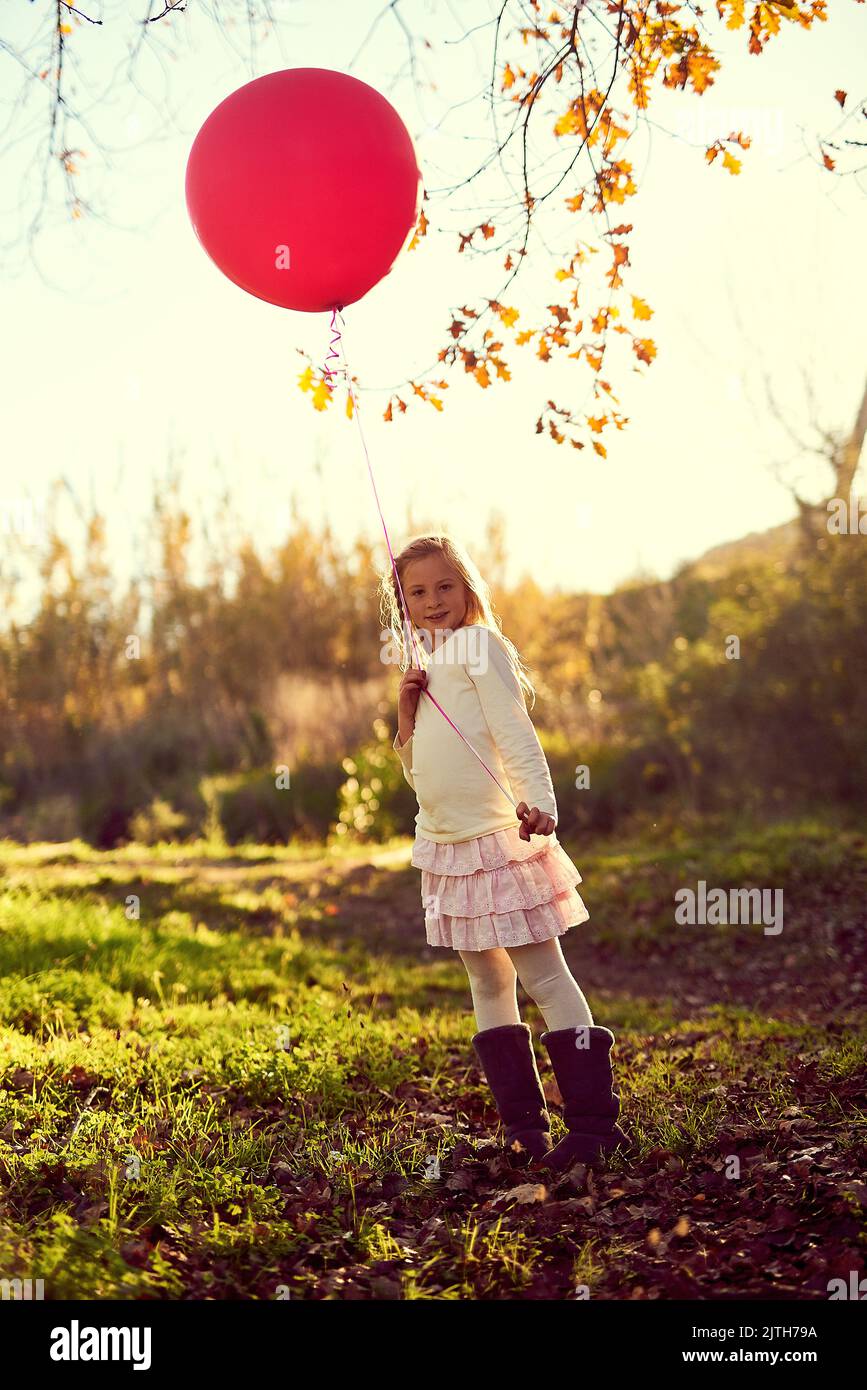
(533, 822)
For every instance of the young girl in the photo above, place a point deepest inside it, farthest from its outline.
(497, 885)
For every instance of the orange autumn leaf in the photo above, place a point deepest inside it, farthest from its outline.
(481, 375)
(420, 231)
(828, 161)
(840, 96)
(508, 78)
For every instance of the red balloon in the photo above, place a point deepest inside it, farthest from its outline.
(303, 187)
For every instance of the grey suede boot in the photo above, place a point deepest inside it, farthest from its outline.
(590, 1104)
(507, 1059)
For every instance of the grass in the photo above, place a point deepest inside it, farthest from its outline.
(246, 1075)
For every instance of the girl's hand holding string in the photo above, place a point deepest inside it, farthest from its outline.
(414, 681)
(533, 822)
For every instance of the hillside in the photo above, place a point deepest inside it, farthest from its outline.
(776, 543)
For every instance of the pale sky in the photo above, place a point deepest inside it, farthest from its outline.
(131, 343)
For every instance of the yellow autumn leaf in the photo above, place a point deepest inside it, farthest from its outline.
(321, 395)
(736, 18)
(729, 162)
(305, 380)
(508, 78)
(567, 124)
(640, 309)
(509, 316)
(701, 66)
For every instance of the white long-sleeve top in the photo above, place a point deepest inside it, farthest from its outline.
(471, 675)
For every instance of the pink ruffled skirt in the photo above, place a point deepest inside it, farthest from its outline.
(497, 890)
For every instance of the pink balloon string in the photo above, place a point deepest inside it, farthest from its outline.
(329, 372)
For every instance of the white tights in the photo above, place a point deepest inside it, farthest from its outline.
(543, 973)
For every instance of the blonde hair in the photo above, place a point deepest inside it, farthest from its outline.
(480, 608)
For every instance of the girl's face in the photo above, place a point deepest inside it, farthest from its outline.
(435, 595)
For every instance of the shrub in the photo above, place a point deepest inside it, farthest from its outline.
(160, 821)
(376, 801)
(250, 807)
